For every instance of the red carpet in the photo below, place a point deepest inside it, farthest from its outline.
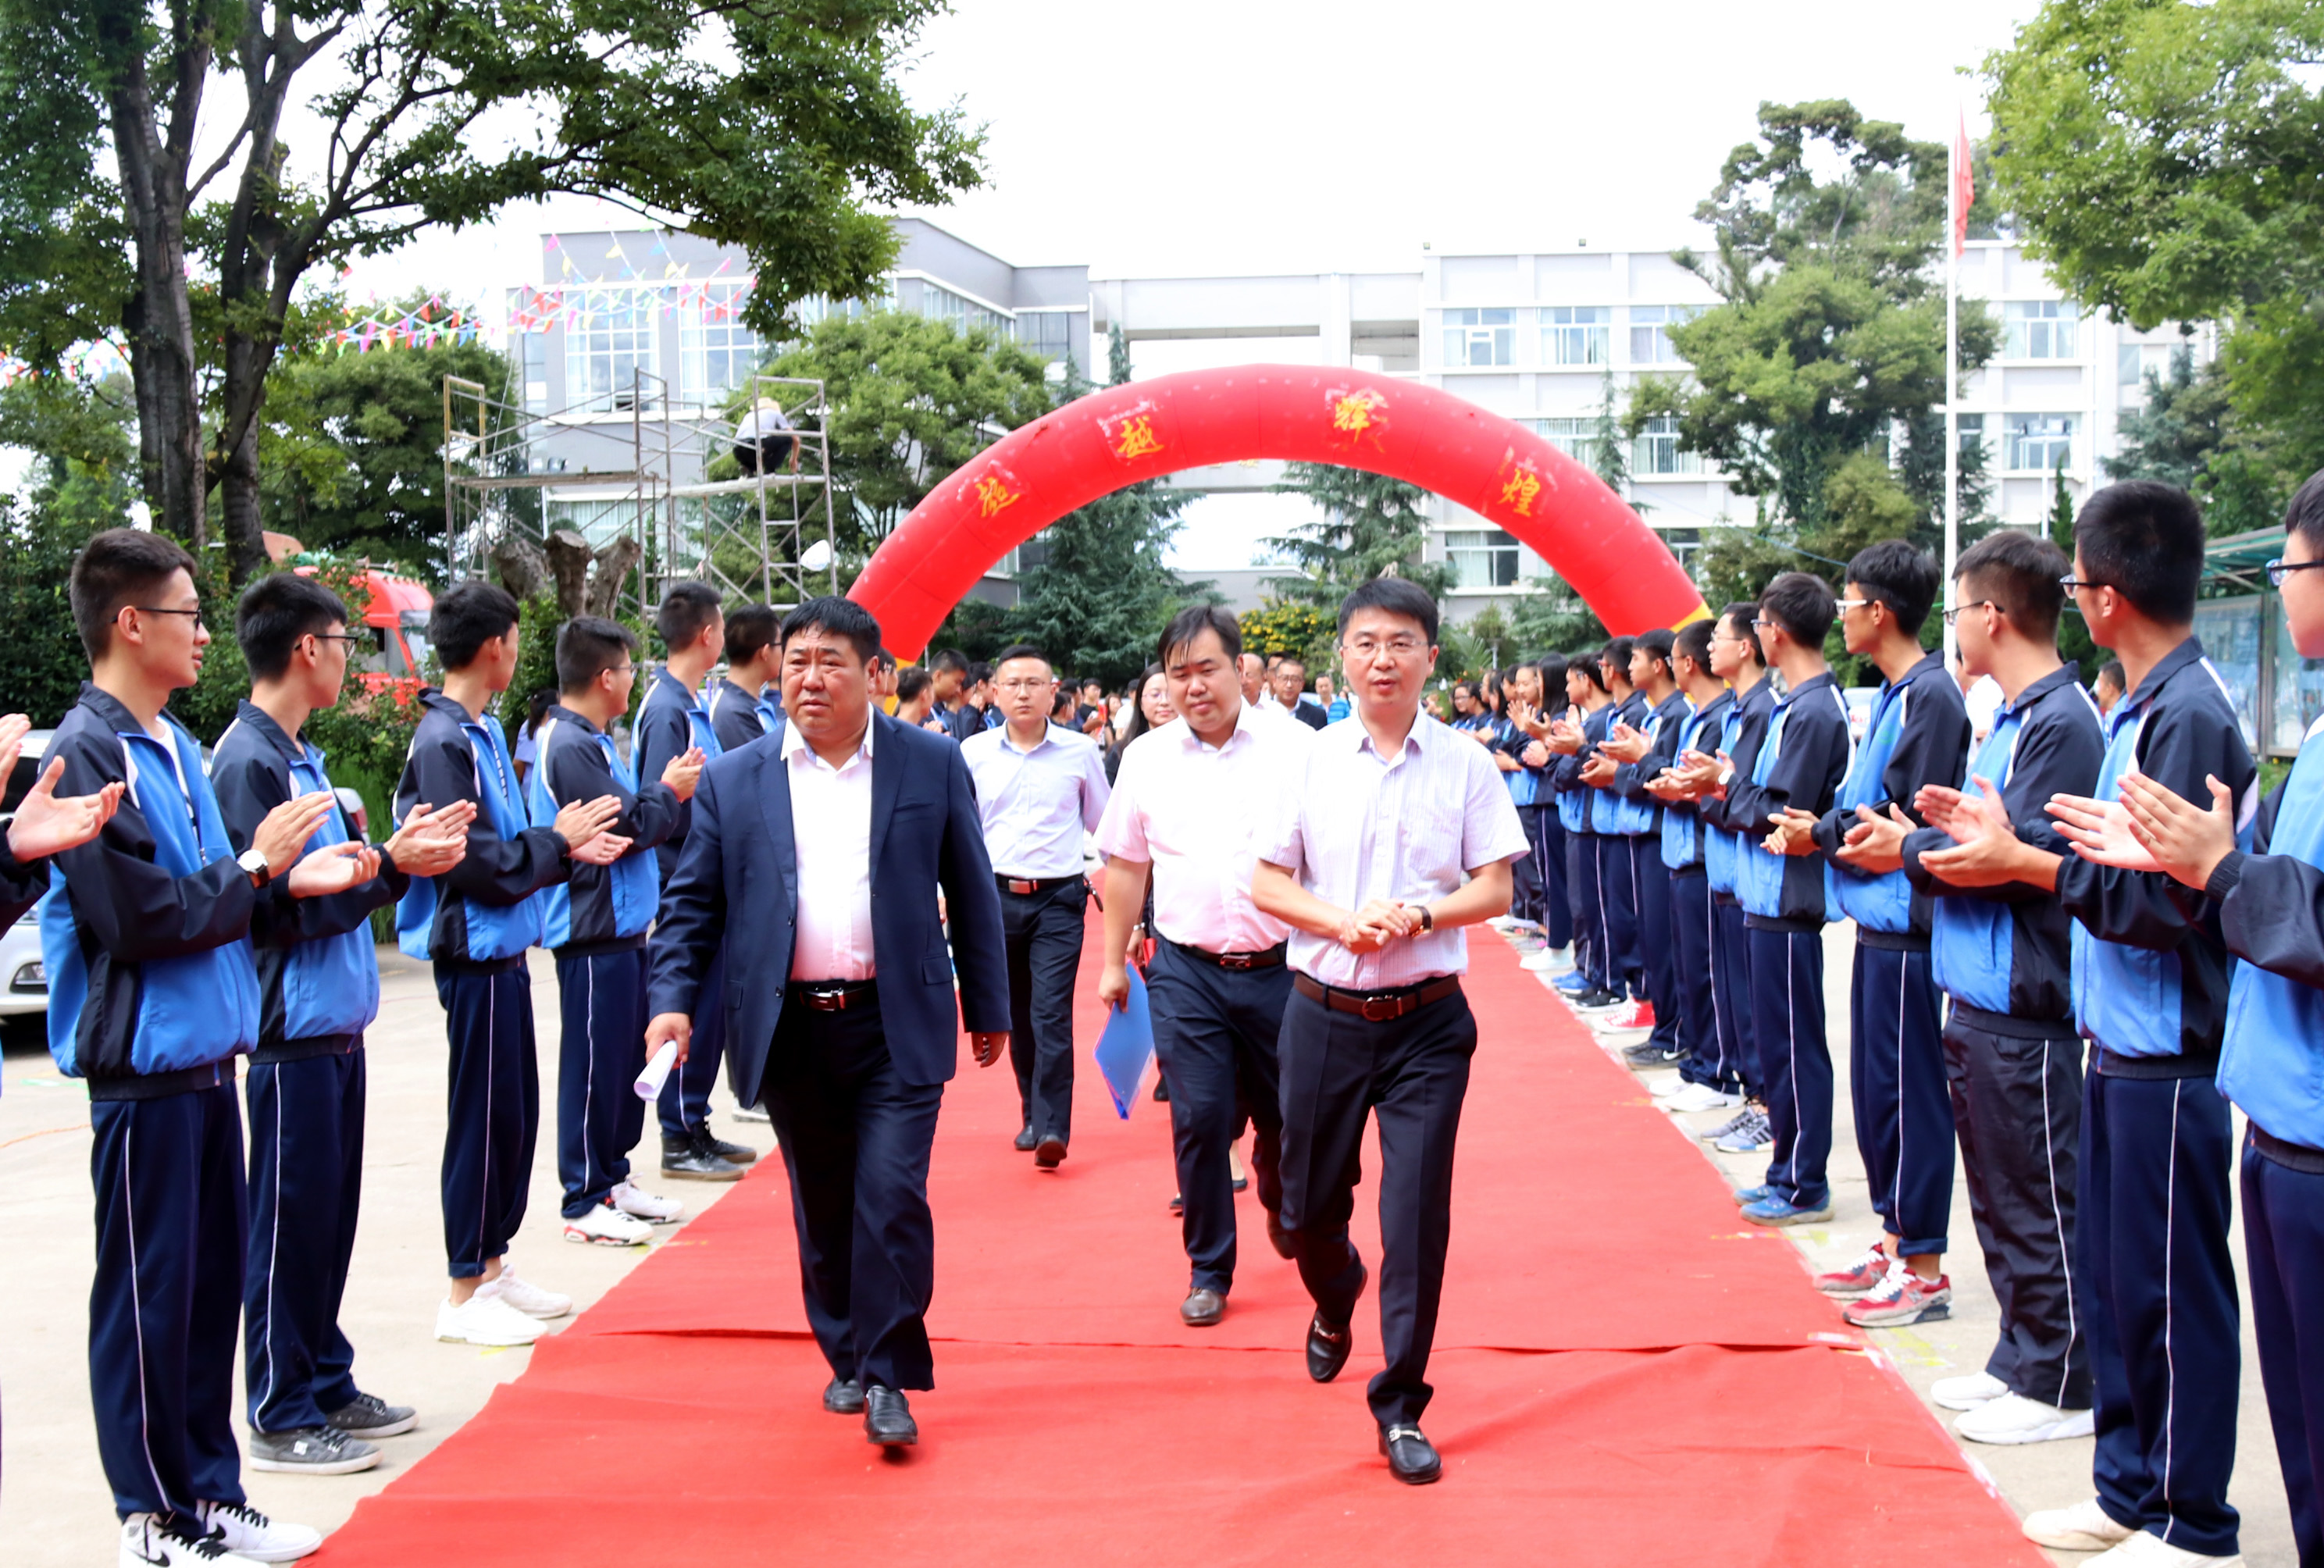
(1625, 1372)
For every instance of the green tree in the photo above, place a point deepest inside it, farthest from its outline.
(911, 399)
(2165, 160)
(1372, 526)
(2188, 434)
(777, 125)
(1554, 619)
(1294, 627)
(1102, 595)
(2074, 644)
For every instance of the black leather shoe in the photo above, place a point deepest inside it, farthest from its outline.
(1177, 1203)
(732, 1153)
(888, 1418)
(1201, 1308)
(1411, 1458)
(843, 1397)
(690, 1162)
(1049, 1153)
(1278, 1237)
(1328, 1348)
(1025, 1142)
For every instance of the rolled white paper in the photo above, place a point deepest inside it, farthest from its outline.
(650, 1082)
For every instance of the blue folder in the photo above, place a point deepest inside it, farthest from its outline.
(1125, 1051)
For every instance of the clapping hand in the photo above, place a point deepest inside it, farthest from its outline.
(603, 849)
(1985, 841)
(582, 820)
(2187, 841)
(682, 771)
(1534, 755)
(1565, 736)
(1626, 744)
(1875, 843)
(46, 825)
(1700, 772)
(287, 829)
(430, 842)
(1791, 831)
(332, 869)
(2100, 832)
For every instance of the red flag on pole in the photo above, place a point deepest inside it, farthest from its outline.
(1964, 187)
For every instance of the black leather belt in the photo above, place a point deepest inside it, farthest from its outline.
(1377, 1006)
(1025, 887)
(831, 995)
(1265, 958)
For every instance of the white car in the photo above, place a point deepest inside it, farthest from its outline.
(23, 979)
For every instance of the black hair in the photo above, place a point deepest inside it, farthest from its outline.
(979, 672)
(1190, 624)
(1898, 576)
(1066, 698)
(1551, 667)
(1657, 644)
(1693, 641)
(274, 613)
(1616, 653)
(1396, 596)
(1137, 725)
(2144, 539)
(1021, 651)
(884, 660)
(118, 568)
(911, 681)
(536, 706)
(1090, 680)
(841, 618)
(1801, 602)
(1489, 692)
(468, 615)
(685, 609)
(749, 632)
(2305, 515)
(1587, 665)
(1291, 659)
(948, 658)
(2112, 671)
(587, 647)
(2019, 572)
(1742, 612)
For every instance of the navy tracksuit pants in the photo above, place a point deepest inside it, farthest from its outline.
(855, 1140)
(1215, 1038)
(1657, 947)
(2017, 1111)
(1730, 991)
(1547, 833)
(166, 1305)
(1413, 1071)
(684, 1108)
(493, 1110)
(1896, 1087)
(306, 1187)
(602, 1005)
(1042, 936)
(2152, 1241)
(1787, 1010)
(1618, 894)
(2284, 1244)
(1588, 922)
(1694, 959)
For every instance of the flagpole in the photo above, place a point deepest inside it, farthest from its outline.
(1952, 378)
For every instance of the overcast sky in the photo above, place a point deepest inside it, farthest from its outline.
(1203, 136)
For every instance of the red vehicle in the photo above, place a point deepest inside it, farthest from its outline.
(396, 659)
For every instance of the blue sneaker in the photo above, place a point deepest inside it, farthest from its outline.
(1746, 1196)
(1751, 1136)
(1571, 982)
(1774, 1211)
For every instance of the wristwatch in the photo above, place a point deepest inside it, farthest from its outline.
(254, 860)
(1427, 919)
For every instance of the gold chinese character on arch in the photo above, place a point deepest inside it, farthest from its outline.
(993, 495)
(1518, 490)
(1136, 439)
(1356, 412)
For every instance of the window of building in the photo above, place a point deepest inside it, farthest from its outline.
(1482, 558)
(1969, 433)
(1650, 327)
(1656, 451)
(939, 304)
(2041, 442)
(1480, 337)
(2039, 329)
(715, 351)
(609, 341)
(2129, 366)
(1047, 333)
(531, 351)
(1577, 438)
(1574, 334)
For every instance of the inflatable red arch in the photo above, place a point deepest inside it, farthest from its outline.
(1119, 435)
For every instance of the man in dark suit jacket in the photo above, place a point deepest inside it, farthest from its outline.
(822, 853)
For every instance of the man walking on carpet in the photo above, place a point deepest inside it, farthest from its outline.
(828, 849)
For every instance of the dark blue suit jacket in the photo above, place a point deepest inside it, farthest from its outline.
(736, 881)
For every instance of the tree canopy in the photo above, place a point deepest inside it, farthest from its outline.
(1372, 526)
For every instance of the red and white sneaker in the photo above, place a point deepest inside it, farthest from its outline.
(1902, 1297)
(1865, 1274)
(1634, 1015)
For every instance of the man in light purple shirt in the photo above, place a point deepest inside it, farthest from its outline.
(1399, 833)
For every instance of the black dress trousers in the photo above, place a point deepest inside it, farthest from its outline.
(1042, 933)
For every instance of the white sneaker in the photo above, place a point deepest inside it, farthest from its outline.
(1967, 1393)
(247, 1533)
(2145, 1549)
(752, 1114)
(484, 1320)
(525, 1296)
(1543, 960)
(2013, 1418)
(608, 1227)
(1507, 922)
(147, 1543)
(645, 1205)
(1696, 1097)
(1669, 1088)
(2083, 1528)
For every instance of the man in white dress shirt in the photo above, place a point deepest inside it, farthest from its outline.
(1190, 803)
(1039, 785)
(1365, 863)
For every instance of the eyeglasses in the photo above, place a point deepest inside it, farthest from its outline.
(2278, 568)
(2070, 582)
(1759, 624)
(1954, 613)
(163, 610)
(1021, 685)
(1845, 606)
(1398, 647)
(349, 638)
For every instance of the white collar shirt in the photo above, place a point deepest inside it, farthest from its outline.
(831, 848)
(1197, 813)
(1035, 805)
(1359, 825)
